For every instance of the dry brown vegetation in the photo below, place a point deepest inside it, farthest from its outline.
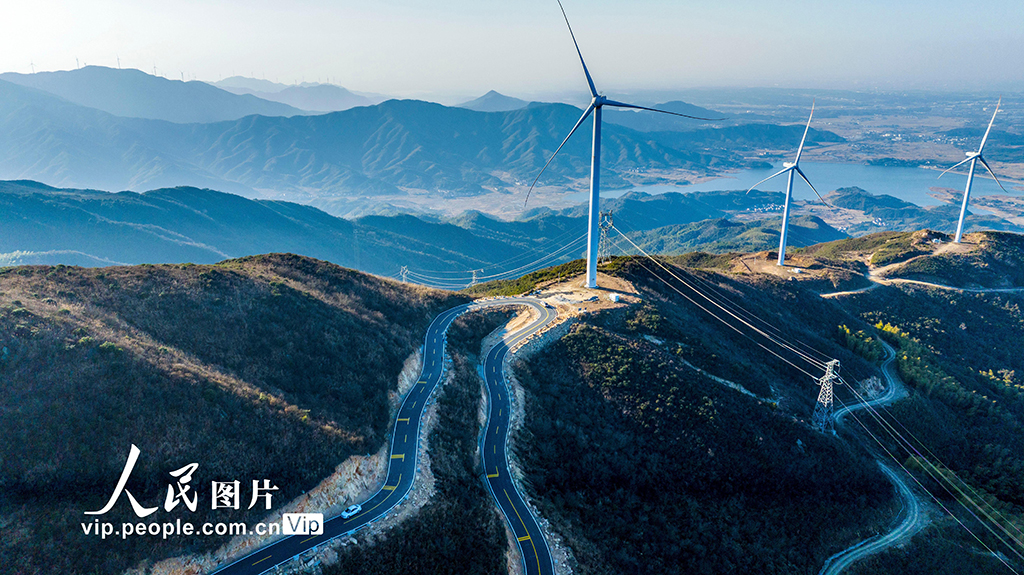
(269, 367)
(459, 531)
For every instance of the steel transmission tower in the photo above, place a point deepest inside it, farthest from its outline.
(604, 251)
(822, 418)
(404, 272)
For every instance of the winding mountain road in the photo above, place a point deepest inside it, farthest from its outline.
(912, 519)
(402, 462)
(535, 552)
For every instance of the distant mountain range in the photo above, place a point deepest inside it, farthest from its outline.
(311, 97)
(364, 152)
(136, 94)
(45, 225)
(494, 102)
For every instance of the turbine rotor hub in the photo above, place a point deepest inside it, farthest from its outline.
(599, 101)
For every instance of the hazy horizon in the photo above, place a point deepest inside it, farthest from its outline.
(409, 48)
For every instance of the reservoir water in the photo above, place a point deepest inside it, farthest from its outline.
(909, 184)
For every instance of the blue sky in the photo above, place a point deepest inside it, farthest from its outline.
(458, 47)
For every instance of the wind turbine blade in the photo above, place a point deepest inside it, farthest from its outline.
(778, 173)
(800, 150)
(987, 167)
(956, 165)
(623, 105)
(590, 81)
(990, 122)
(571, 132)
(802, 175)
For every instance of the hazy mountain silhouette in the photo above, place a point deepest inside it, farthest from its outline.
(313, 98)
(136, 94)
(362, 151)
(357, 153)
(494, 102)
(246, 85)
(49, 139)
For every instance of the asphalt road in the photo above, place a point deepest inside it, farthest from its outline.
(535, 552)
(912, 519)
(893, 391)
(404, 440)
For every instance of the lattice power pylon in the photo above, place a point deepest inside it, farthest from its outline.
(605, 223)
(404, 272)
(822, 418)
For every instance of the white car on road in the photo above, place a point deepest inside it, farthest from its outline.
(351, 510)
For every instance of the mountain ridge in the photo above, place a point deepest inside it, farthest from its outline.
(133, 93)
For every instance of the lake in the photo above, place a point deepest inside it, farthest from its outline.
(909, 184)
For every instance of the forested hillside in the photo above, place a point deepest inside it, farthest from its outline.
(253, 368)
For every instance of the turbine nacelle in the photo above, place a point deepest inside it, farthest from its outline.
(598, 101)
(972, 154)
(788, 164)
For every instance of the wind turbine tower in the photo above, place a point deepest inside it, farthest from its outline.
(597, 103)
(791, 168)
(974, 158)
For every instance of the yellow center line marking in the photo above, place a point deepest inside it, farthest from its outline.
(390, 487)
(499, 412)
(406, 438)
(398, 456)
(496, 428)
(262, 560)
(405, 419)
(399, 482)
(414, 404)
(525, 538)
(532, 544)
(309, 538)
(516, 510)
(495, 474)
(495, 448)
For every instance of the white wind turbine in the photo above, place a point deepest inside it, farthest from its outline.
(596, 104)
(974, 158)
(792, 168)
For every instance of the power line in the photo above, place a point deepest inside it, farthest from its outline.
(726, 302)
(461, 282)
(823, 415)
(778, 340)
(530, 250)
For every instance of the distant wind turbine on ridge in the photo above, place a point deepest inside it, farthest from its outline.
(792, 168)
(596, 104)
(974, 158)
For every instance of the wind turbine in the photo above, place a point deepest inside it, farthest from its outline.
(596, 104)
(792, 168)
(974, 158)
